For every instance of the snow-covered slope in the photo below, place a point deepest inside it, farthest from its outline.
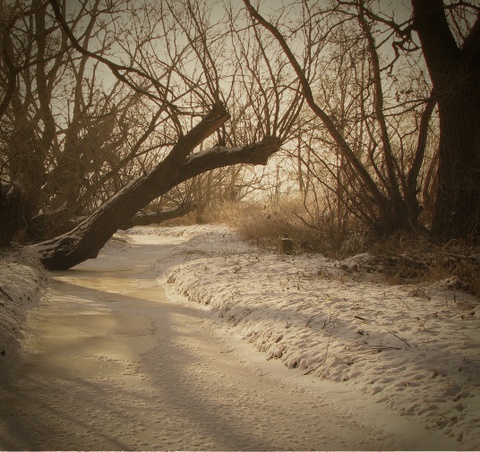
(21, 282)
(414, 348)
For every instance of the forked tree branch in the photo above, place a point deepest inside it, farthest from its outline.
(339, 139)
(118, 70)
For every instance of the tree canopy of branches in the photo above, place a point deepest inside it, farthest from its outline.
(380, 163)
(87, 134)
(105, 105)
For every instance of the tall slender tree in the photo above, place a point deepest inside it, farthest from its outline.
(385, 177)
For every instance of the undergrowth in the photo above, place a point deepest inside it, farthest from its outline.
(401, 258)
(265, 224)
(415, 258)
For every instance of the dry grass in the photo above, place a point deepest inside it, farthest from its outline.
(416, 258)
(185, 220)
(401, 258)
(264, 224)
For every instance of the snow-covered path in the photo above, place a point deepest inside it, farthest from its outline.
(109, 362)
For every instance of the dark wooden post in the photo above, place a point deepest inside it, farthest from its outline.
(286, 246)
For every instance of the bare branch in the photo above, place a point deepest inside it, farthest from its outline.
(116, 69)
(307, 92)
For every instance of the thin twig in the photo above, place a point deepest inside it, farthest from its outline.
(398, 337)
(310, 319)
(384, 347)
(4, 292)
(329, 339)
(434, 410)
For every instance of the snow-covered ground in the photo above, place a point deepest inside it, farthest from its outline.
(21, 283)
(413, 348)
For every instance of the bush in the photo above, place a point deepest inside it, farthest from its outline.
(266, 223)
(416, 258)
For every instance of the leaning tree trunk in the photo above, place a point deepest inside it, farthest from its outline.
(455, 73)
(146, 218)
(85, 241)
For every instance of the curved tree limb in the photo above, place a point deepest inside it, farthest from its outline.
(85, 241)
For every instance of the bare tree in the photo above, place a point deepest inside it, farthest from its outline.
(61, 133)
(173, 167)
(450, 41)
(376, 169)
(77, 123)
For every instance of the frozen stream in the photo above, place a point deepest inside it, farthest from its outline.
(108, 362)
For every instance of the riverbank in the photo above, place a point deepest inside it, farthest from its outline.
(410, 350)
(413, 348)
(22, 281)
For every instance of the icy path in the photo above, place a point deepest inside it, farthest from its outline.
(108, 362)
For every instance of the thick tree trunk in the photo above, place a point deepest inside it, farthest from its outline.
(457, 205)
(455, 74)
(85, 241)
(11, 213)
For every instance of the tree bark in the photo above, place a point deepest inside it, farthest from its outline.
(144, 219)
(455, 74)
(85, 241)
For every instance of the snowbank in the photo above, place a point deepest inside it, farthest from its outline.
(414, 348)
(21, 282)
